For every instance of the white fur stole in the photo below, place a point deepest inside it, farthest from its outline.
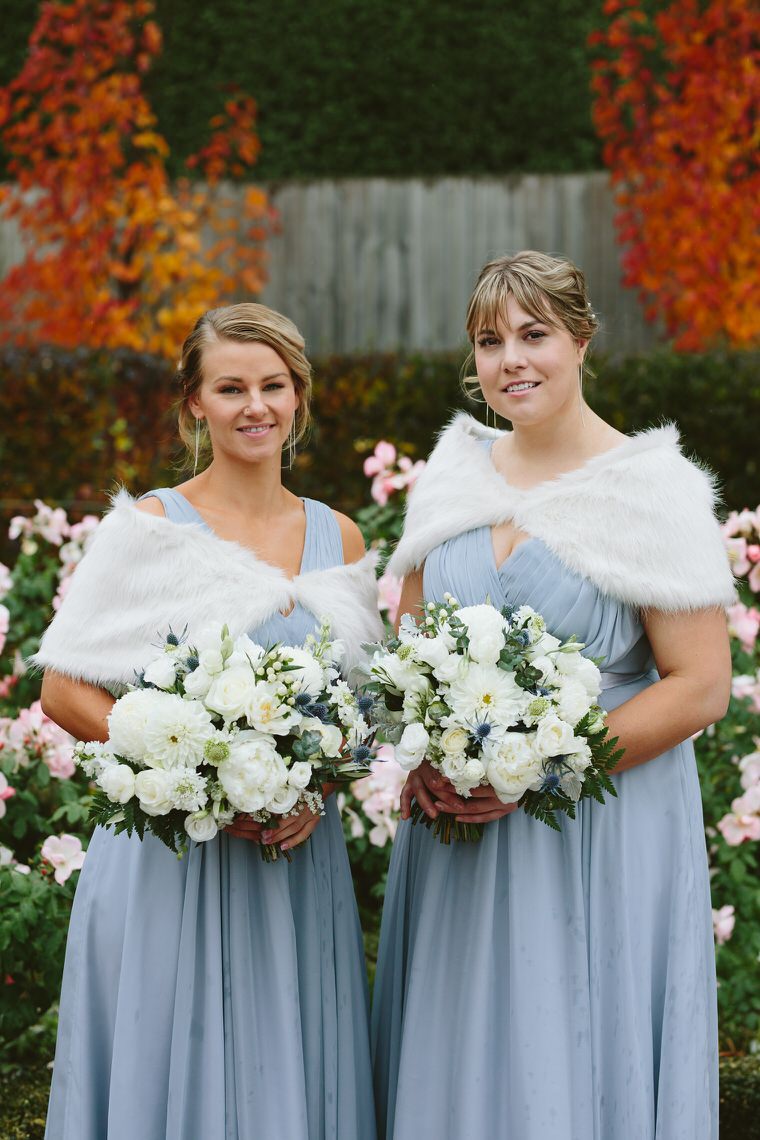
(143, 573)
(638, 521)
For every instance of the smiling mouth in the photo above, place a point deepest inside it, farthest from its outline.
(257, 429)
(521, 386)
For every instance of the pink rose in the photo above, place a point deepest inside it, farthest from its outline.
(736, 828)
(384, 457)
(749, 766)
(736, 549)
(723, 924)
(744, 624)
(64, 852)
(389, 594)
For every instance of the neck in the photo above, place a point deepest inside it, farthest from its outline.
(572, 434)
(254, 489)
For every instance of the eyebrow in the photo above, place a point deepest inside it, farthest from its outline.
(239, 380)
(520, 328)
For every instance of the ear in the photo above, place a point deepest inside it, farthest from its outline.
(194, 406)
(582, 346)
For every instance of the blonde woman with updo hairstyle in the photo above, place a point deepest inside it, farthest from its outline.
(544, 985)
(214, 997)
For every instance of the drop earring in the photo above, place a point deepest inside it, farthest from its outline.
(197, 443)
(291, 444)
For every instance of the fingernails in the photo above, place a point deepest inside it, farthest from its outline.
(267, 836)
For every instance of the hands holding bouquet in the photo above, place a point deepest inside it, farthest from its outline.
(495, 704)
(227, 730)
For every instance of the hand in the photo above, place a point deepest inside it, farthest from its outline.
(435, 793)
(483, 806)
(292, 831)
(243, 827)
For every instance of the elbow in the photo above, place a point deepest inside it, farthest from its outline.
(715, 702)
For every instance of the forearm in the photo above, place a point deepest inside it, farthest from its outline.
(662, 716)
(79, 708)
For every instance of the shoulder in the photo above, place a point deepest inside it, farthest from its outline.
(151, 505)
(353, 541)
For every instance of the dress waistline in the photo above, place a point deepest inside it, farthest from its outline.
(612, 680)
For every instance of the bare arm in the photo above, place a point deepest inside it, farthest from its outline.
(77, 707)
(693, 658)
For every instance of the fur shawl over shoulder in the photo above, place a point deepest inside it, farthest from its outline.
(638, 520)
(142, 574)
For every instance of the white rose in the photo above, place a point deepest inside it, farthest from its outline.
(118, 782)
(332, 739)
(572, 700)
(473, 772)
(432, 650)
(554, 737)
(162, 672)
(201, 826)
(284, 800)
(211, 661)
(450, 669)
(597, 724)
(127, 722)
(246, 651)
(266, 711)
(454, 740)
(513, 767)
(198, 683)
(486, 632)
(154, 791)
(253, 772)
(411, 749)
(580, 759)
(230, 691)
(452, 766)
(299, 774)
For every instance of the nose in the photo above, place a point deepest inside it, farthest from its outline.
(254, 405)
(513, 355)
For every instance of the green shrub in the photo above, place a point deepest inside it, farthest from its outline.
(740, 1098)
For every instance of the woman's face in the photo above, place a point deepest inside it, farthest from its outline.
(247, 398)
(528, 370)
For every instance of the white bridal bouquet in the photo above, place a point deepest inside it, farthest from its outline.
(221, 727)
(490, 697)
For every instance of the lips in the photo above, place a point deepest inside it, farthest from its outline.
(520, 386)
(255, 430)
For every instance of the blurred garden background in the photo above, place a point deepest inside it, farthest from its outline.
(354, 164)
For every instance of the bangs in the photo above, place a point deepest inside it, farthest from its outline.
(489, 302)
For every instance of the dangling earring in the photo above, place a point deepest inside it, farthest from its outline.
(197, 443)
(580, 389)
(291, 443)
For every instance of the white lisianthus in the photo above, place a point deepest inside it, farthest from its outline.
(198, 683)
(155, 791)
(597, 723)
(284, 800)
(307, 676)
(513, 766)
(545, 645)
(253, 773)
(201, 826)
(188, 789)
(454, 740)
(555, 737)
(230, 691)
(487, 692)
(267, 712)
(572, 700)
(486, 632)
(432, 650)
(162, 672)
(118, 782)
(176, 733)
(128, 720)
(299, 774)
(411, 749)
(211, 661)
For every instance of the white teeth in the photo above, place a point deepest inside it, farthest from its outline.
(521, 387)
(256, 430)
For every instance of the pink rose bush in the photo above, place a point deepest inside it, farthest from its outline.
(390, 472)
(743, 821)
(6, 792)
(723, 923)
(741, 532)
(31, 736)
(379, 794)
(65, 854)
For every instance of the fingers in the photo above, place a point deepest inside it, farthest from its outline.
(407, 795)
(243, 827)
(487, 816)
(301, 834)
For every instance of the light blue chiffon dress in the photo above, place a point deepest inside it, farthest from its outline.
(545, 986)
(217, 997)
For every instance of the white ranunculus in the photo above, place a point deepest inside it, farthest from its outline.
(253, 772)
(554, 737)
(284, 800)
(128, 720)
(308, 675)
(299, 774)
(513, 767)
(411, 749)
(176, 733)
(230, 692)
(454, 740)
(432, 650)
(267, 712)
(485, 692)
(118, 782)
(486, 632)
(201, 826)
(198, 683)
(211, 660)
(572, 700)
(162, 672)
(578, 667)
(154, 790)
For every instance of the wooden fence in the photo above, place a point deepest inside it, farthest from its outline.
(381, 264)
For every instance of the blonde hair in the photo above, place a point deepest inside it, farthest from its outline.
(245, 323)
(550, 289)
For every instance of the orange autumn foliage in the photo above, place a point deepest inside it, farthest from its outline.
(676, 107)
(114, 249)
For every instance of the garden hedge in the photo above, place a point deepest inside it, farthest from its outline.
(349, 88)
(75, 423)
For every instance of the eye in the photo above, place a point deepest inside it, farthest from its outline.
(535, 334)
(275, 384)
(487, 340)
(230, 388)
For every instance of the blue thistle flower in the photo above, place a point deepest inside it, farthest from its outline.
(551, 783)
(365, 704)
(319, 710)
(481, 731)
(172, 639)
(303, 700)
(192, 662)
(361, 753)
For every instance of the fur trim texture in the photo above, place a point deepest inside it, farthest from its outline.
(143, 573)
(638, 520)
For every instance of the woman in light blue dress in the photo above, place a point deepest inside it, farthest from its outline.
(560, 986)
(213, 997)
